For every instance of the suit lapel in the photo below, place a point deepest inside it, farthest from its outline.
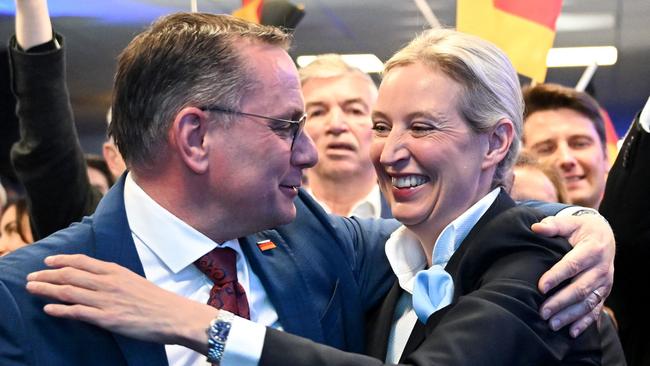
(284, 283)
(502, 203)
(114, 243)
(379, 322)
(418, 335)
(385, 207)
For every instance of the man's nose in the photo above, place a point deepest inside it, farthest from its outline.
(565, 159)
(304, 154)
(336, 123)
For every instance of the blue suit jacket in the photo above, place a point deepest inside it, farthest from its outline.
(325, 272)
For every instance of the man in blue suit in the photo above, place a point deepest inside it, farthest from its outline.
(207, 113)
(214, 145)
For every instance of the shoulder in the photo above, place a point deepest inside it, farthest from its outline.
(507, 248)
(312, 219)
(78, 238)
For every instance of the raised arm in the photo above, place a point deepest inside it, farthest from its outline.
(33, 26)
(48, 158)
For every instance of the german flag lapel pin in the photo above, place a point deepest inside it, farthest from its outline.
(265, 245)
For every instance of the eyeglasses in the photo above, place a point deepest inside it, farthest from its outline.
(285, 128)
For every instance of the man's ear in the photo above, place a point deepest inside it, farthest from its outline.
(499, 139)
(187, 137)
(114, 159)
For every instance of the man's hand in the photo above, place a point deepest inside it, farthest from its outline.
(590, 265)
(112, 297)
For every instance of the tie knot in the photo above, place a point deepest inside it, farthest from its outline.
(220, 265)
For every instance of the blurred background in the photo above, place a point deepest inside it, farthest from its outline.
(96, 30)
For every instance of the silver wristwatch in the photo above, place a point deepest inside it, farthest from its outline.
(218, 335)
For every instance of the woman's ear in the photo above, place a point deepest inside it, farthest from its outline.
(499, 140)
(187, 137)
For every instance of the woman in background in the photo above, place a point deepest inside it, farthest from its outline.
(15, 231)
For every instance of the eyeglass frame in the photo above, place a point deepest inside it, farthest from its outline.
(295, 130)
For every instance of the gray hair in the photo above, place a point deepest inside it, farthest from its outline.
(184, 59)
(330, 65)
(490, 85)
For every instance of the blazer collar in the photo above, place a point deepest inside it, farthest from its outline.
(502, 203)
(114, 243)
(283, 279)
(379, 322)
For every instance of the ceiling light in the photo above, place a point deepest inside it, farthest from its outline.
(571, 22)
(366, 62)
(581, 56)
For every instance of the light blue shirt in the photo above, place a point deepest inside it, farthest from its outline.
(407, 259)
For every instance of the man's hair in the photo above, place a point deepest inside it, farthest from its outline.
(183, 59)
(490, 86)
(542, 97)
(330, 65)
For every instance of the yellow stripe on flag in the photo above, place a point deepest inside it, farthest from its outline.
(249, 11)
(525, 42)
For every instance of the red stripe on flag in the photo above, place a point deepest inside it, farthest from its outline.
(611, 137)
(258, 10)
(543, 12)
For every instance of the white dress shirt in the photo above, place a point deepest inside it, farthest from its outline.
(168, 247)
(368, 208)
(407, 258)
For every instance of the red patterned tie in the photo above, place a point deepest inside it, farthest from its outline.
(220, 265)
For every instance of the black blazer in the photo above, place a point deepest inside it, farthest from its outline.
(626, 205)
(493, 318)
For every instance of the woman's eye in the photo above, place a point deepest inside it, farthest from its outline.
(422, 128)
(380, 128)
(11, 228)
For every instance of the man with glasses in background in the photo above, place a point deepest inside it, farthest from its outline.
(338, 102)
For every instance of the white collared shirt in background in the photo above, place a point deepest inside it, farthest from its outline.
(407, 258)
(168, 247)
(368, 208)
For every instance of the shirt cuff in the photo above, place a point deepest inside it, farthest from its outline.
(569, 211)
(644, 120)
(244, 344)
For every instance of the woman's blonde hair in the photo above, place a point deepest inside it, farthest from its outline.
(490, 85)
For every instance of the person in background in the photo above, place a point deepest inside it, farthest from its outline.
(533, 181)
(338, 102)
(48, 159)
(626, 205)
(3, 198)
(14, 227)
(564, 129)
(111, 154)
(99, 174)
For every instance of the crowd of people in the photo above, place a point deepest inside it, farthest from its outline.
(264, 215)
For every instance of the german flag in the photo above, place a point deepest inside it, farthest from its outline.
(265, 245)
(251, 10)
(523, 29)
